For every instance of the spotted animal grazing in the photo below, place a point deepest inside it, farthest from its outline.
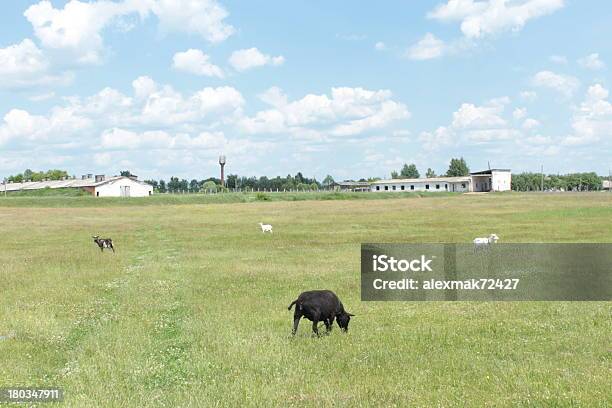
(103, 243)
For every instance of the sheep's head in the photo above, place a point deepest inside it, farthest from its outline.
(343, 320)
(493, 238)
(95, 236)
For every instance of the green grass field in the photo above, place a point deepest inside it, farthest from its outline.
(192, 309)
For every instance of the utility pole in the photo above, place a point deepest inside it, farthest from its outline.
(542, 182)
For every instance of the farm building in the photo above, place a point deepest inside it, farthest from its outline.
(481, 181)
(98, 186)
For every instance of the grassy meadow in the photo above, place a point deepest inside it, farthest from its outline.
(192, 309)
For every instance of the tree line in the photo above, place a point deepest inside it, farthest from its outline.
(235, 182)
(29, 175)
(568, 182)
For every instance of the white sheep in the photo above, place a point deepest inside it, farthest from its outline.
(483, 243)
(265, 228)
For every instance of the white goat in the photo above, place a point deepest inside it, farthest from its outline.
(483, 243)
(265, 228)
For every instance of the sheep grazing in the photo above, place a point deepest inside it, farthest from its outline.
(484, 243)
(103, 243)
(265, 228)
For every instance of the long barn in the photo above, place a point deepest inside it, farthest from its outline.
(481, 181)
(98, 186)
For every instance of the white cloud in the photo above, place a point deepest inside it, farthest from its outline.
(22, 58)
(245, 59)
(274, 96)
(380, 46)
(484, 18)
(153, 107)
(143, 87)
(77, 27)
(475, 124)
(564, 84)
(25, 65)
(196, 62)
(203, 17)
(428, 47)
(347, 112)
(470, 116)
(592, 61)
(440, 138)
(592, 122)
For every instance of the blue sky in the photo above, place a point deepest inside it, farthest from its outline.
(351, 89)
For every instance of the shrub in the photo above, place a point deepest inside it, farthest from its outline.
(262, 197)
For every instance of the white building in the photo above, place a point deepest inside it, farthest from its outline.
(482, 181)
(98, 186)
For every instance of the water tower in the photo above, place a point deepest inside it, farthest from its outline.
(222, 164)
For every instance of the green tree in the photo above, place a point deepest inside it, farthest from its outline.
(430, 173)
(328, 181)
(125, 173)
(394, 174)
(209, 186)
(194, 186)
(458, 168)
(409, 171)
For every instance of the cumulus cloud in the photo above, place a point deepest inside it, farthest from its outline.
(196, 62)
(25, 65)
(249, 58)
(592, 61)
(152, 107)
(143, 87)
(428, 47)
(485, 18)
(564, 84)
(592, 121)
(475, 124)
(470, 116)
(77, 27)
(203, 17)
(347, 112)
